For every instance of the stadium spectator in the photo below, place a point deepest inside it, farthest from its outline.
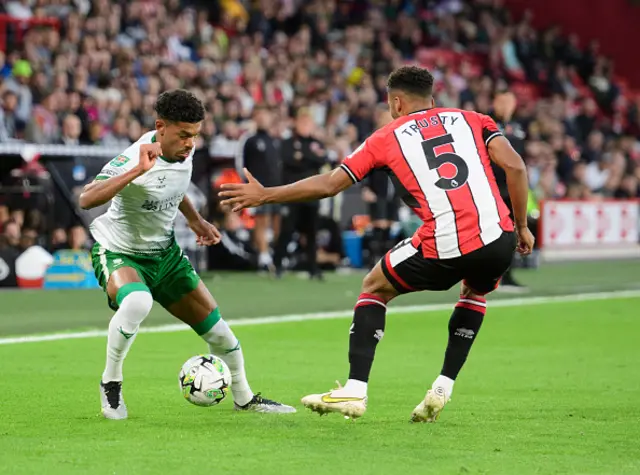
(302, 156)
(258, 153)
(10, 125)
(71, 130)
(12, 234)
(118, 136)
(58, 240)
(43, 126)
(77, 238)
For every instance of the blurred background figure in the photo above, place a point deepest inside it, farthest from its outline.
(302, 156)
(77, 238)
(379, 193)
(504, 106)
(258, 153)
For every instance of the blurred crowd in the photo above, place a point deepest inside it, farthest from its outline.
(19, 231)
(93, 77)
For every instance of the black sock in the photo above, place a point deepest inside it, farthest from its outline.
(464, 326)
(377, 244)
(366, 331)
(388, 242)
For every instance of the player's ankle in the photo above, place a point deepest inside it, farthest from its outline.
(353, 388)
(445, 383)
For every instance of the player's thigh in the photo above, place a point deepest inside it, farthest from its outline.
(376, 283)
(408, 271)
(114, 271)
(193, 307)
(176, 279)
(485, 267)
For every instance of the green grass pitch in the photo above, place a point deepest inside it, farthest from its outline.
(549, 389)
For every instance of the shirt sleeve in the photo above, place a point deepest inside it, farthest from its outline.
(490, 129)
(364, 159)
(123, 163)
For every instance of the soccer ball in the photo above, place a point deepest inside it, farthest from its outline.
(205, 380)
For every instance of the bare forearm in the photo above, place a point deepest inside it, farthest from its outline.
(309, 189)
(100, 192)
(518, 186)
(188, 210)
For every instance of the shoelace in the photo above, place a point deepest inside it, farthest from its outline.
(258, 399)
(112, 390)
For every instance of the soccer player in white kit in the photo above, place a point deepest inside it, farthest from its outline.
(136, 258)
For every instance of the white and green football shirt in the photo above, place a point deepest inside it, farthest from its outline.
(141, 217)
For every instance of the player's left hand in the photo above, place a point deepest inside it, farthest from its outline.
(206, 233)
(243, 195)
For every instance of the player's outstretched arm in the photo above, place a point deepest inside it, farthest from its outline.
(100, 192)
(503, 154)
(252, 194)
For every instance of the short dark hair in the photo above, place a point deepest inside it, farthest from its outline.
(179, 105)
(412, 80)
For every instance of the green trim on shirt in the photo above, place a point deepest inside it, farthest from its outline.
(153, 140)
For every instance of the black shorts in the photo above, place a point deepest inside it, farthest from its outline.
(384, 209)
(266, 210)
(408, 271)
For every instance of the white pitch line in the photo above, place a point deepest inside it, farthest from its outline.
(178, 327)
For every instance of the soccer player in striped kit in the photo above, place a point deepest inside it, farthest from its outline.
(442, 159)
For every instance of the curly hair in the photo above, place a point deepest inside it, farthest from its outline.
(412, 80)
(179, 105)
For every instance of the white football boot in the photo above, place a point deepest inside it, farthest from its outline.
(431, 406)
(264, 405)
(113, 406)
(350, 407)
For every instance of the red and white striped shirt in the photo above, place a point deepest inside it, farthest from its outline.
(439, 158)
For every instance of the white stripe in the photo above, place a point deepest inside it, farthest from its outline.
(371, 301)
(402, 252)
(179, 327)
(474, 302)
(349, 172)
(490, 138)
(465, 146)
(103, 263)
(445, 222)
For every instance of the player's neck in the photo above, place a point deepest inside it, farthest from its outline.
(419, 107)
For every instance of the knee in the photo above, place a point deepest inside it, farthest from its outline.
(374, 285)
(468, 293)
(138, 303)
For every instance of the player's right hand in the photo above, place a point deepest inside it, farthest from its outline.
(149, 153)
(525, 241)
(368, 196)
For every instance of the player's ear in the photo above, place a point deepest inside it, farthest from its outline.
(161, 126)
(433, 102)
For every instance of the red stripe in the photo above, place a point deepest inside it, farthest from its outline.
(475, 122)
(470, 306)
(360, 303)
(393, 273)
(372, 297)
